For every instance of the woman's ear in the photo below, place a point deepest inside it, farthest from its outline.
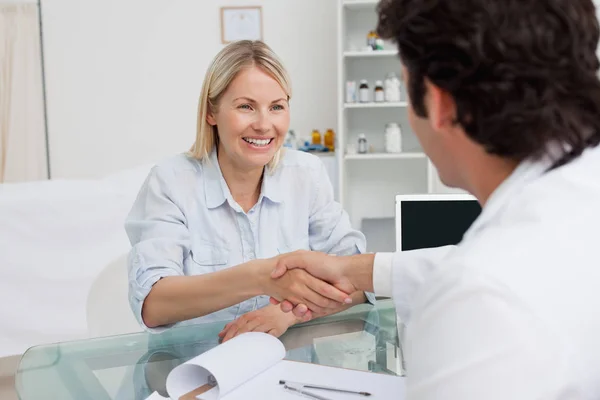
(210, 118)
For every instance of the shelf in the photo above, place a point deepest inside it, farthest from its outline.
(385, 156)
(367, 182)
(323, 153)
(376, 105)
(374, 53)
(360, 4)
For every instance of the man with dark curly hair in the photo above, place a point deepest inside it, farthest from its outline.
(505, 100)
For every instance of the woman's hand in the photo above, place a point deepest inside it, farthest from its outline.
(302, 311)
(335, 270)
(283, 280)
(269, 319)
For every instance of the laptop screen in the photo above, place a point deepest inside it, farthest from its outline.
(428, 223)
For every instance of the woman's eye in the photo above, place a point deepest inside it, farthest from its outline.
(245, 107)
(278, 107)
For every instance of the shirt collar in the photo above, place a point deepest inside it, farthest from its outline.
(215, 187)
(271, 188)
(217, 192)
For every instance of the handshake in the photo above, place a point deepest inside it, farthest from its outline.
(312, 284)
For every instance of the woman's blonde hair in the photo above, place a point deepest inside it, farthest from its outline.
(223, 69)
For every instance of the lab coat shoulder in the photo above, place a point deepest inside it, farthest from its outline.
(512, 311)
(472, 338)
(537, 240)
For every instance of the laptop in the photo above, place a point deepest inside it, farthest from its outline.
(433, 220)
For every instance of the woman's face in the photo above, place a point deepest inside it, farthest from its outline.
(252, 119)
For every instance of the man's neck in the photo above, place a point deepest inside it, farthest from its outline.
(244, 185)
(487, 175)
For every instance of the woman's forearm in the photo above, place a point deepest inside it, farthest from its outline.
(179, 298)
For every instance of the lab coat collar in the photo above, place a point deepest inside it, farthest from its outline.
(526, 172)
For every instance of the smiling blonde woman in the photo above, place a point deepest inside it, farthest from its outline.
(204, 221)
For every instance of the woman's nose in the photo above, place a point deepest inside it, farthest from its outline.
(261, 123)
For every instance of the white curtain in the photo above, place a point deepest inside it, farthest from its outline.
(22, 133)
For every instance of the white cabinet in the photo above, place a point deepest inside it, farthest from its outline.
(368, 183)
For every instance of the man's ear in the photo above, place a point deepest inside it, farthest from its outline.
(441, 108)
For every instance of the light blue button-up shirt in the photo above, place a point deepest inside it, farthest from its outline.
(185, 222)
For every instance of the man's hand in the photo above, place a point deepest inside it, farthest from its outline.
(269, 319)
(349, 274)
(299, 287)
(319, 265)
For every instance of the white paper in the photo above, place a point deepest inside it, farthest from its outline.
(251, 365)
(231, 363)
(156, 396)
(266, 385)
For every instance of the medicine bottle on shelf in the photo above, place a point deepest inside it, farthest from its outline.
(291, 141)
(379, 93)
(372, 37)
(363, 91)
(351, 92)
(362, 144)
(329, 139)
(316, 137)
(392, 88)
(393, 138)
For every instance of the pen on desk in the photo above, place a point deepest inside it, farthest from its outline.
(309, 386)
(305, 393)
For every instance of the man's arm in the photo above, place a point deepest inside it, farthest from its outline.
(401, 275)
(398, 275)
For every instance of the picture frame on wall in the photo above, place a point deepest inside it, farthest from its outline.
(241, 23)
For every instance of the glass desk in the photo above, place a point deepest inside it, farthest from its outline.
(133, 366)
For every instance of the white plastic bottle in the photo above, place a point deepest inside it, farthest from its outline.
(392, 88)
(351, 92)
(393, 138)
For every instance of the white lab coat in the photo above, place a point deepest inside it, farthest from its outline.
(512, 312)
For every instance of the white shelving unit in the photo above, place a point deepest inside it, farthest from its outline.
(368, 183)
(385, 156)
(360, 4)
(400, 104)
(375, 54)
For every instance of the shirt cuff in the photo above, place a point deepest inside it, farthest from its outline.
(138, 302)
(370, 298)
(382, 274)
(140, 288)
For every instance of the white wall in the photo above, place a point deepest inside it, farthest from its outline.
(123, 77)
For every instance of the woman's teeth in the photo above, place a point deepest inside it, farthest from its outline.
(258, 142)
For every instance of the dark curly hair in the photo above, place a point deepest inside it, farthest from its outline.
(523, 73)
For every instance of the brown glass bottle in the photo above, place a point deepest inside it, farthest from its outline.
(329, 140)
